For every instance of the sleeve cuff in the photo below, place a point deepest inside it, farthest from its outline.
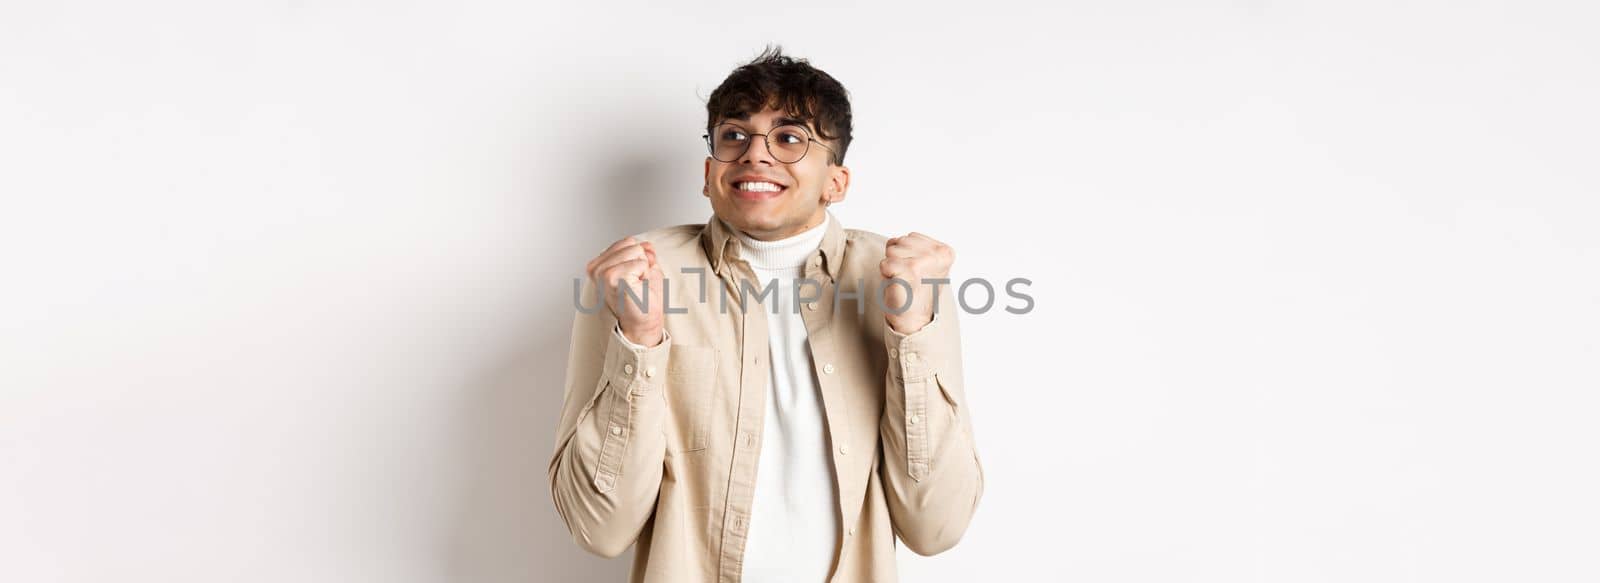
(919, 354)
(636, 369)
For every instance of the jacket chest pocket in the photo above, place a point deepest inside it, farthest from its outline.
(691, 386)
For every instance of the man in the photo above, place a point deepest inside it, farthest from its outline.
(794, 438)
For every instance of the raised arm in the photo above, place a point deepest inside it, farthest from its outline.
(931, 467)
(605, 472)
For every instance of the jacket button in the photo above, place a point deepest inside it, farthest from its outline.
(827, 368)
(627, 369)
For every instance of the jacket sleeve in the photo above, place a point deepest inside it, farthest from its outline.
(606, 470)
(931, 468)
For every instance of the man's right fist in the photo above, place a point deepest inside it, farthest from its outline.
(631, 264)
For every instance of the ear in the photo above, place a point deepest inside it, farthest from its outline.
(838, 184)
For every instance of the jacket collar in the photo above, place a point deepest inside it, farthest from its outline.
(720, 245)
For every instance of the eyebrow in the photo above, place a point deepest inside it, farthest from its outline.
(780, 121)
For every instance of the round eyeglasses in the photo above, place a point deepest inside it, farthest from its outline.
(787, 143)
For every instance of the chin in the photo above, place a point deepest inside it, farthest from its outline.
(762, 221)
(754, 219)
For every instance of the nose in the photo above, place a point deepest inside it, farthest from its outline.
(757, 153)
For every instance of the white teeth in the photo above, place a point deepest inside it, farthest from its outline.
(759, 187)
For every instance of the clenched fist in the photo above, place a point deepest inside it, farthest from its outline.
(913, 258)
(632, 264)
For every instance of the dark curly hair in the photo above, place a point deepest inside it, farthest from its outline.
(792, 85)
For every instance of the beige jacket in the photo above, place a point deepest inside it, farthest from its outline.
(659, 445)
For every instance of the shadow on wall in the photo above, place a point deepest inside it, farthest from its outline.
(506, 525)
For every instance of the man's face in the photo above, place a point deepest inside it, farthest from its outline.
(803, 187)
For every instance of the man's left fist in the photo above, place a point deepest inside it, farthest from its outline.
(913, 258)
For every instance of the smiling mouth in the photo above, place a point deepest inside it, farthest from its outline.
(757, 190)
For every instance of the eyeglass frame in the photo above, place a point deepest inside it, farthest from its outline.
(712, 149)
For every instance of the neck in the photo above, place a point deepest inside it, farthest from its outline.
(777, 253)
(779, 235)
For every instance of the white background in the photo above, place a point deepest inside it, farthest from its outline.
(286, 285)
